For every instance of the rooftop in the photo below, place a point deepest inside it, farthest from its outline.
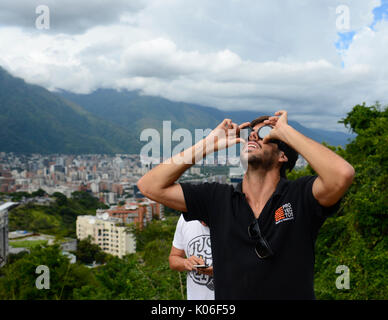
(7, 205)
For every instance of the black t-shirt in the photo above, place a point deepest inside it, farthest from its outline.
(289, 222)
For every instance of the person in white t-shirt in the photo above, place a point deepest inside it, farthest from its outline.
(191, 246)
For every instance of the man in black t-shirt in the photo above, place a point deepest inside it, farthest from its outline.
(263, 231)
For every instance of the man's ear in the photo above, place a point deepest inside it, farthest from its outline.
(282, 157)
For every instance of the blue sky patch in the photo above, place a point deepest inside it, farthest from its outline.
(346, 38)
(380, 13)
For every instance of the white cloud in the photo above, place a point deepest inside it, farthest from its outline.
(256, 30)
(69, 16)
(241, 55)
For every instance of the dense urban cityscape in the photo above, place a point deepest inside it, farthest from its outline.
(110, 179)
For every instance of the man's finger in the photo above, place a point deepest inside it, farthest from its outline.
(195, 260)
(239, 140)
(280, 112)
(270, 121)
(228, 123)
(225, 123)
(233, 129)
(244, 125)
(198, 260)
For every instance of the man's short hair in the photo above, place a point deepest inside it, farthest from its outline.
(290, 153)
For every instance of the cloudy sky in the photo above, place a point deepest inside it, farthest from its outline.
(316, 59)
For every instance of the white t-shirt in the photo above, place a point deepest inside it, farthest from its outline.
(194, 239)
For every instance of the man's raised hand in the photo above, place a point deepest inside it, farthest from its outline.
(225, 135)
(277, 122)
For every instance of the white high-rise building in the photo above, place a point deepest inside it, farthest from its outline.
(106, 232)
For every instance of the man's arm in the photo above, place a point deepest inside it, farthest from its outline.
(159, 184)
(335, 174)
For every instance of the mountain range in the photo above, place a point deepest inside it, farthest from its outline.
(35, 120)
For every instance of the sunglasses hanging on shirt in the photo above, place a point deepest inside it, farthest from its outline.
(262, 248)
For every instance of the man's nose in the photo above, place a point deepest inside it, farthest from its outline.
(253, 136)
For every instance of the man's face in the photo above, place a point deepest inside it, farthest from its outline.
(260, 154)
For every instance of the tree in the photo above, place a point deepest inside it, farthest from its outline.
(58, 218)
(144, 275)
(369, 155)
(39, 193)
(120, 279)
(357, 235)
(88, 252)
(19, 281)
(61, 199)
(87, 200)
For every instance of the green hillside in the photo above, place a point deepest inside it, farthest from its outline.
(133, 110)
(129, 108)
(58, 219)
(33, 120)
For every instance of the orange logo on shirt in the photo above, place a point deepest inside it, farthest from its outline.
(279, 214)
(284, 213)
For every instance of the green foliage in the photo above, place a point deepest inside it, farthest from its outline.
(357, 235)
(17, 196)
(38, 193)
(156, 229)
(27, 244)
(61, 199)
(144, 275)
(88, 252)
(86, 200)
(58, 218)
(18, 281)
(130, 109)
(12, 257)
(153, 245)
(361, 117)
(300, 172)
(119, 279)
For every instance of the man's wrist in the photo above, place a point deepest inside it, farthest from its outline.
(207, 147)
(285, 132)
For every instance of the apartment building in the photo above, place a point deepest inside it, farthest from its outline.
(4, 231)
(140, 212)
(108, 233)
